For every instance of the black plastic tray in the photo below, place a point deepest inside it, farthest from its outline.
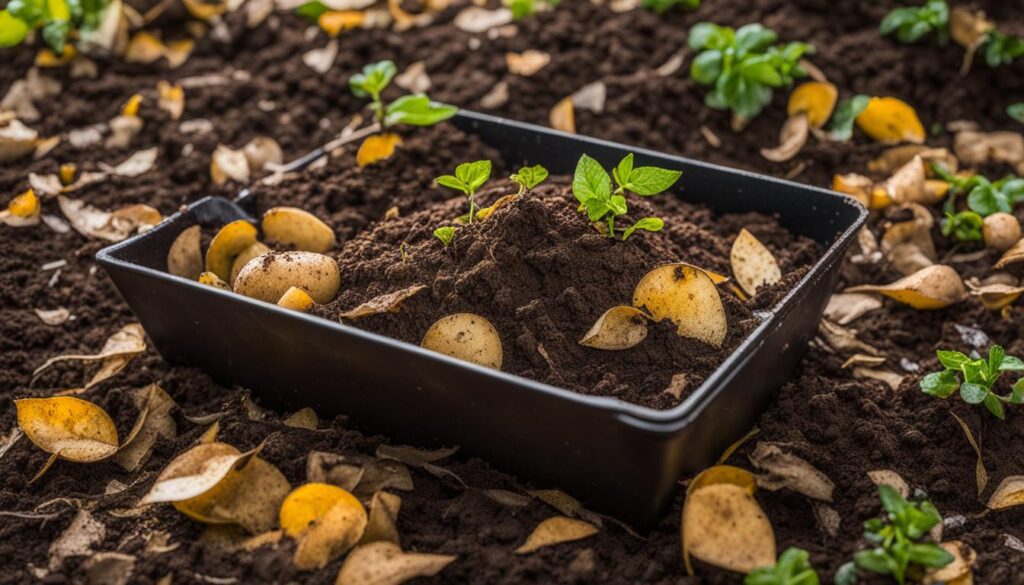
(616, 457)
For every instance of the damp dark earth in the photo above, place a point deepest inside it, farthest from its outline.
(891, 455)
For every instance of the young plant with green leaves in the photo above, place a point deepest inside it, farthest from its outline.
(663, 6)
(413, 109)
(1001, 49)
(446, 234)
(54, 19)
(744, 66)
(529, 177)
(897, 538)
(976, 379)
(593, 189)
(793, 568)
(1016, 111)
(964, 226)
(524, 8)
(984, 197)
(468, 178)
(912, 23)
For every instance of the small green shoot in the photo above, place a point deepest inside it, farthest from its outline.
(412, 109)
(445, 234)
(468, 178)
(55, 20)
(898, 550)
(524, 8)
(846, 114)
(744, 66)
(311, 10)
(984, 197)
(663, 6)
(912, 23)
(979, 379)
(965, 226)
(1016, 111)
(593, 189)
(1000, 49)
(793, 568)
(529, 177)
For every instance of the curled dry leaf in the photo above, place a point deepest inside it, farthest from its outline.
(154, 421)
(227, 164)
(467, 337)
(526, 63)
(975, 148)
(386, 303)
(890, 120)
(305, 418)
(296, 229)
(753, 264)
(137, 164)
(67, 428)
(724, 526)
(591, 97)
(413, 456)
(384, 563)
(785, 470)
(254, 250)
(123, 129)
(228, 243)
(688, 297)
(563, 117)
(53, 317)
(111, 226)
(1001, 231)
(996, 296)
(184, 258)
(16, 140)
(980, 474)
(894, 158)
(475, 19)
(310, 503)
(556, 530)
(934, 287)
(845, 308)
(792, 139)
(377, 148)
(382, 525)
(117, 351)
(860, 359)
(269, 277)
(957, 572)
(843, 340)
(889, 377)
(619, 327)
(1009, 493)
(890, 478)
(1012, 256)
(815, 99)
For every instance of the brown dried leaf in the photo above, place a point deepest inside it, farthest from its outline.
(303, 419)
(384, 563)
(1012, 256)
(126, 343)
(154, 421)
(785, 470)
(843, 340)
(891, 378)
(978, 148)
(980, 474)
(111, 226)
(386, 303)
(957, 572)
(845, 308)
(475, 19)
(53, 317)
(412, 456)
(792, 139)
(890, 478)
(752, 263)
(556, 530)
(383, 519)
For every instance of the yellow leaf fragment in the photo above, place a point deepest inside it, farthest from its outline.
(229, 242)
(309, 503)
(330, 535)
(723, 525)
(857, 186)
(47, 58)
(556, 530)
(184, 258)
(619, 327)
(296, 299)
(205, 11)
(386, 303)
(384, 563)
(686, 296)
(890, 120)
(753, 264)
(996, 296)
(67, 427)
(815, 99)
(467, 337)
(144, 47)
(296, 229)
(563, 116)
(333, 22)
(377, 148)
(934, 287)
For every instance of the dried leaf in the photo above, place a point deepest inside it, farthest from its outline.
(845, 308)
(109, 568)
(526, 63)
(321, 60)
(785, 470)
(384, 563)
(382, 525)
(496, 97)
(1009, 493)
(981, 476)
(126, 343)
(975, 148)
(688, 297)
(892, 379)
(724, 526)
(792, 139)
(135, 165)
(556, 530)
(53, 317)
(591, 97)
(303, 419)
(414, 79)
(620, 327)
(1012, 256)
(890, 478)
(827, 517)
(563, 117)
(890, 120)
(843, 340)
(507, 498)
(154, 421)
(78, 539)
(16, 141)
(860, 359)
(413, 456)
(753, 264)
(996, 296)
(262, 151)
(227, 164)
(377, 148)
(957, 572)
(68, 428)
(475, 19)
(467, 337)
(934, 287)
(111, 226)
(909, 184)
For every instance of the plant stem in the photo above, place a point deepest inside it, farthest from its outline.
(472, 208)
(611, 226)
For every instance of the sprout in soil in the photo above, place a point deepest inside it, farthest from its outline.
(593, 189)
(413, 109)
(743, 66)
(1000, 49)
(445, 234)
(984, 197)
(468, 178)
(898, 550)
(55, 19)
(529, 177)
(979, 378)
(1016, 111)
(793, 568)
(912, 23)
(663, 6)
(965, 226)
(523, 8)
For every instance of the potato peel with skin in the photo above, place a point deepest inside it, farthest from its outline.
(386, 303)
(296, 299)
(67, 427)
(815, 99)
(996, 296)
(467, 337)
(269, 277)
(792, 139)
(620, 327)
(957, 572)
(377, 148)
(230, 241)
(556, 530)
(296, 229)
(185, 258)
(934, 287)
(384, 563)
(753, 264)
(688, 297)
(309, 503)
(890, 120)
(723, 525)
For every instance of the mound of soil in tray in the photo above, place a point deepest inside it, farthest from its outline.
(543, 276)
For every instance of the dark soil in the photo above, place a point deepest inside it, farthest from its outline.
(843, 425)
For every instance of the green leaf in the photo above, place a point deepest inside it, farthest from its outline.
(706, 67)
(895, 20)
(996, 353)
(941, 384)
(417, 110)
(986, 200)
(650, 224)
(522, 8)
(312, 11)
(1011, 364)
(647, 181)
(954, 360)
(474, 174)
(754, 37)
(452, 183)
(28, 11)
(55, 34)
(530, 177)
(591, 182)
(617, 203)
(12, 29)
(841, 129)
(622, 172)
(930, 555)
(875, 560)
(445, 234)
(847, 574)
(891, 499)
(707, 35)
(995, 406)
(760, 69)
(973, 393)
(1016, 111)
(373, 79)
(1017, 396)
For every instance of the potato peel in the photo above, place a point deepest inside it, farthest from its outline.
(556, 530)
(1012, 256)
(618, 328)
(688, 297)
(792, 139)
(723, 525)
(185, 258)
(815, 99)
(467, 337)
(934, 287)
(230, 241)
(377, 148)
(753, 264)
(297, 229)
(309, 503)
(715, 475)
(330, 536)
(890, 120)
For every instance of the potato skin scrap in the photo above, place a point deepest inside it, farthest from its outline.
(723, 525)
(688, 297)
(890, 120)
(229, 242)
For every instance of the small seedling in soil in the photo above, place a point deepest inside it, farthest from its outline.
(979, 378)
(965, 226)
(445, 234)
(524, 8)
(984, 197)
(412, 109)
(593, 189)
(529, 177)
(898, 550)
(743, 66)
(912, 23)
(663, 6)
(55, 20)
(793, 568)
(468, 178)
(1001, 49)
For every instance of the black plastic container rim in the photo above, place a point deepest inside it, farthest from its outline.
(652, 420)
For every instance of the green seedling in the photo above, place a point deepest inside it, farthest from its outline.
(524, 8)
(311, 10)
(445, 234)
(793, 568)
(412, 109)
(841, 129)
(898, 550)
(965, 226)
(1000, 49)
(529, 177)
(1016, 111)
(912, 23)
(663, 6)
(984, 197)
(593, 189)
(54, 19)
(744, 66)
(979, 379)
(468, 178)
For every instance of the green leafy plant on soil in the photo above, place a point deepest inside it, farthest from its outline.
(663, 6)
(743, 66)
(793, 568)
(898, 550)
(1001, 49)
(524, 8)
(1016, 111)
(468, 178)
(55, 20)
(529, 177)
(984, 198)
(841, 129)
(593, 189)
(412, 109)
(445, 234)
(912, 23)
(979, 379)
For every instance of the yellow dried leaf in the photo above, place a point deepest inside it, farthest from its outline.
(386, 303)
(309, 503)
(229, 242)
(753, 264)
(185, 259)
(815, 99)
(723, 525)
(384, 563)
(330, 536)
(205, 11)
(563, 116)
(502, 201)
(556, 530)
(619, 327)
(333, 22)
(177, 52)
(934, 287)
(377, 148)
(890, 120)
(467, 337)
(144, 47)
(996, 296)
(296, 229)
(1009, 493)
(67, 427)
(686, 296)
